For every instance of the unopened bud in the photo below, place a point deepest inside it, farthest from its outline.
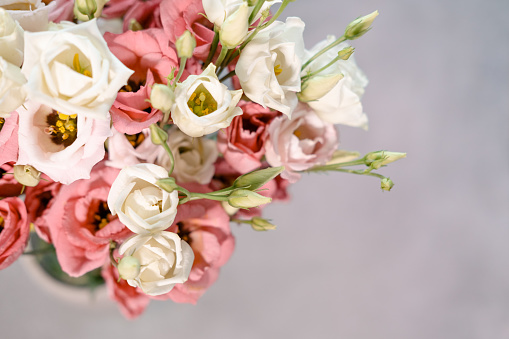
(230, 210)
(260, 224)
(234, 29)
(26, 175)
(158, 135)
(85, 10)
(360, 26)
(167, 184)
(247, 199)
(317, 86)
(185, 44)
(128, 268)
(387, 184)
(162, 97)
(345, 53)
(378, 159)
(256, 179)
(134, 25)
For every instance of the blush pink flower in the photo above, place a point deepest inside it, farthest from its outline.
(9, 138)
(127, 150)
(242, 143)
(117, 8)
(300, 143)
(9, 186)
(177, 16)
(81, 224)
(146, 13)
(150, 56)
(131, 300)
(205, 226)
(62, 10)
(14, 230)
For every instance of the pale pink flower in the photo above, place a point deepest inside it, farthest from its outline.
(9, 138)
(146, 13)
(117, 8)
(300, 143)
(62, 10)
(9, 186)
(14, 230)
(65, 149)
(81, 224)
(127, 150)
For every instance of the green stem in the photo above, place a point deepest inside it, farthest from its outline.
(255, 11)
(333, 61)
(170, 154)
(360, 172)
(332, 167)
(221, 57)
(181, 70)
(229, 75)
(197, 196)
(213, 48)
(240, 221)
(325, 49)
(45, 250)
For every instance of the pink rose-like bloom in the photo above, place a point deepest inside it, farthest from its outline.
(146, 13)
(205, 226)
(62, 10)
(38, 200)
(131, 300)
(177, 16)
(300, 143)
(14, 230)
(150, 56)
(81, 224)
(9, 186)
(9, 138)
(242, 143)
(127, 150)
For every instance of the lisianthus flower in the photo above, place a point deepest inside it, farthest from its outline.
(194, 157)
(9, 186)
(61, 11)
(14, 230)
(218, 11)
(145, 13)
(9, 138)
(72, 70)
(32, 15)
(342, 104)
(127, 150)
(300, 143)
(204, 105)
(11, 39)
(81, 224)
(65, 147)
(242, 143)
(269, 66)
(12, 92)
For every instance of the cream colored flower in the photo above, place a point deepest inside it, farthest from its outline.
(218, 11)
(12, 93)
(11, 39)
(32, 15)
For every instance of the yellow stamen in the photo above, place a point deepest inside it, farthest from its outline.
(278, 70)
(61, 129)
(59, 123)
(62, 116)
(76, 63)
(65, 136)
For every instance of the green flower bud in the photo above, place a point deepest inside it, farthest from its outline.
(387, 184)
(185, 44)
(85, 10)
(345, 53)
(256, 179)
(167, 184)
(162, 97)
(247, 199)
(260, 224)
(317, 86)
(360, 26)
(128, 268)
(378, 159)
(158, 135)
(26, 175)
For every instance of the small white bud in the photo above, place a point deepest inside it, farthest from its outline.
(235, 27)
(185, 44)
(360, 26)
(158, 135)
(230, 210)
(378, 159)
(260, 224)
(128, 268)
(386, 184)
(317, 86)
(247, 199)
(26, 175)
(162, 97)
(85, 10)
(345, 53)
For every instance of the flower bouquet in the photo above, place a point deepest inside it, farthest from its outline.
(134, 132)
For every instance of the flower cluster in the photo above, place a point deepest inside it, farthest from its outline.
(138, 130)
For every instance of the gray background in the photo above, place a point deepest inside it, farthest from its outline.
(427, 260)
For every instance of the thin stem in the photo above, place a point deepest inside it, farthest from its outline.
(170, 154)
(197, 196)
(332, 167)
(240, 221)
(221, 57)
(325, 49)
(359, 172)
(255, 11)
(229, 75)
(213, 48)
(113, 245)
(332, 62)
(181, 70)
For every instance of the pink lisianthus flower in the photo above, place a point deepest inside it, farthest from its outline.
(14, 230)
(9, 138)
(9, 186)
(64, 147)
(146, 13)
(205, 226)
(62, 10)
(177, 16)
(127, 150)
(131, 300)
(38, 200)
(148, 53)
(117, 8)
(242, 143)
(300, 143)
(81, 224)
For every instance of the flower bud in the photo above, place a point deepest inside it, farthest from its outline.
(185, 44)
(158, 135)
(85, 10)
(387, 184)
(360, 26)
(260, 224)
(230, 210)
(247, 199)
(128, 268)
(317, 86)
(256, 179)
(167, 184)
(345, 53)
(162, 97)
(378, 159)
(26, 175)
(234, 29)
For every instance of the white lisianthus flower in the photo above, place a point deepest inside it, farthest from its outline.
(11, 39)
(341, 105)
(218, 11)
(141, 205)
(73, 71)
(269, 66)
(127, 150)
(203, 105)
(12, 93)
(32, 15)
(63, 147)
(194, 157)
(165, 260)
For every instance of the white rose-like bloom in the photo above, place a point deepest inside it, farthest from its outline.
(140, 204)
(269, 66)
(11, 39)
(194, 157)
(203, 105)
(12, 93)
(64, 147)
(218, 10)
(73, 71)
(32, 15)
(165, 260)
(127, 150)
(342, 104)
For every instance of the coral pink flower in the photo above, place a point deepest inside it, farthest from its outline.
(148, 53)
(131, 300)
(9, 186)
(300, 143)
(117, 8)
(38, 200)
(9, 138)
(177, 16)
(205, 226)
(242, 143)
(81, 224)
(14, 230)
(146, 13)
(62, 10)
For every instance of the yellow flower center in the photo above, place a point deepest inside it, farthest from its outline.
(136, 139)
(102, 217)
(2, 122)
(2, 223)
(132, 86)
(62, 128)
(278, 70)
(77, 66)
(202, 102)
